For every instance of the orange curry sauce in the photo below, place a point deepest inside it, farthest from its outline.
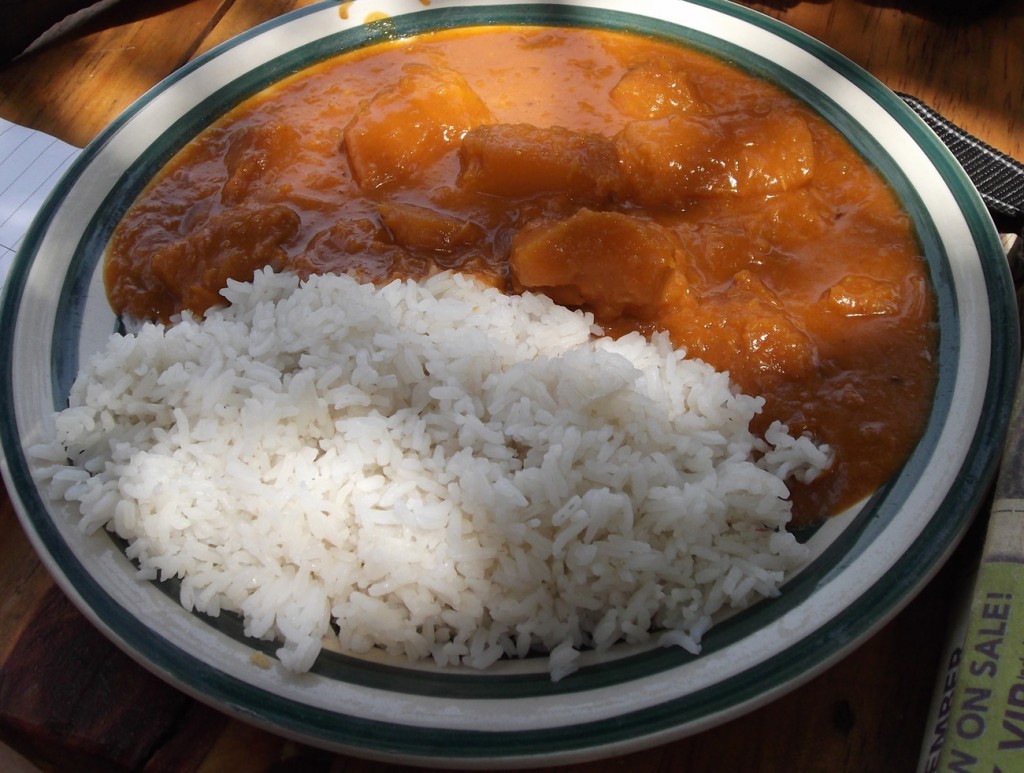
(658, 187)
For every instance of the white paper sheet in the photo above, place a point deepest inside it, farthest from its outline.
(31, 163)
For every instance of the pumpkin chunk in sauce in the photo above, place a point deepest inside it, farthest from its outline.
(653, 89)
(516, 160)
(406, 126)
(667, 161)
(615, 264)
(655, 186)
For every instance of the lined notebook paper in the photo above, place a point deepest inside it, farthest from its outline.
(31, 162)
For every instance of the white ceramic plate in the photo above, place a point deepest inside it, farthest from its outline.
(868, 563)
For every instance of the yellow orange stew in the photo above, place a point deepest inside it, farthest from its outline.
(658, 187)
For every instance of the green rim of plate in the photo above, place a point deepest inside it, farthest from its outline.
(884, 598)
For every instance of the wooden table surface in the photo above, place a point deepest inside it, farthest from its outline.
(89, 707)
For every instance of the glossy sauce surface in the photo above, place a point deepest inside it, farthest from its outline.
(655, 186)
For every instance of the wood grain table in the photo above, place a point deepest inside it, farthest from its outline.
(70, 700)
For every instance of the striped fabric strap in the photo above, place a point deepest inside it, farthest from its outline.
(998, 177)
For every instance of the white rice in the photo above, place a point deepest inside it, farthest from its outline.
(440, 470)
